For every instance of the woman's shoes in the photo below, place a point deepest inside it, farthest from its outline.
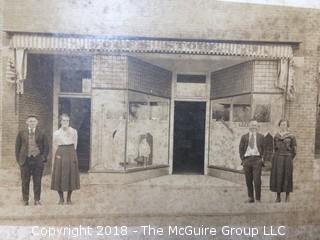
(61, 202)
(287, 198)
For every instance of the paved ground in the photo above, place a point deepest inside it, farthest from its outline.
(169, 200)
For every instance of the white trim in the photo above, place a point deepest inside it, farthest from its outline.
(55, 102)
(207, 125)
(171, 134)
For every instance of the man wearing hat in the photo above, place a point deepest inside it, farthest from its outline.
(31, 153)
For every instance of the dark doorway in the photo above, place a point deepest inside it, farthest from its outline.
(79, 110)
(189, 137)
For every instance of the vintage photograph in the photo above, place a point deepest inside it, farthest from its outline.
(160, 119)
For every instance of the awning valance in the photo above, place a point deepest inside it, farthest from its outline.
(92, 44)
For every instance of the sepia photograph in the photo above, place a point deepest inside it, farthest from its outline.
(160, 119)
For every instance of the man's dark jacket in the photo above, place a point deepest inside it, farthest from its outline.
(244, 142)
(22, 142)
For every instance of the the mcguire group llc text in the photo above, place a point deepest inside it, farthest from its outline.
(170, 230)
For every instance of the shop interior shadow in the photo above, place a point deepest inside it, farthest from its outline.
(189, 137)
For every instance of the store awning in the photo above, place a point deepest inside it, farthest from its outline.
(103, 45)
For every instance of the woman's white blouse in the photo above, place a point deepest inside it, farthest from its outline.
(65, 137)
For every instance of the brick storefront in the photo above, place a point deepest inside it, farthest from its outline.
(206, 21)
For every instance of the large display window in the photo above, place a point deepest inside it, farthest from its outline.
(229, 121)
(147, 131)
(131, 131)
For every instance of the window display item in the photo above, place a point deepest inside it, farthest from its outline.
(145, 150)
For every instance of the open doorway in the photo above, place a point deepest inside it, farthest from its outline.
(79, 110)
(189, 137)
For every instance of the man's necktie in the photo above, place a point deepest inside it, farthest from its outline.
(251, 141)
(31, 133)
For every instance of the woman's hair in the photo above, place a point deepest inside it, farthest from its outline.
(64, 115)
(283, 120)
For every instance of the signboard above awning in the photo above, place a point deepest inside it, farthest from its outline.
(105, 45)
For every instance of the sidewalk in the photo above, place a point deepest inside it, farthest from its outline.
(174, 196)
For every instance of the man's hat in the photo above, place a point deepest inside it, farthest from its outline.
(32, 116)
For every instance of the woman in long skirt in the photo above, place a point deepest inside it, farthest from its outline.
(281, 179)
(65, 175)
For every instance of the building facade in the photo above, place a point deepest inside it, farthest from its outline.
(163, 87)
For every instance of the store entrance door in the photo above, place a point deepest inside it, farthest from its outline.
(189, 137)
(79, 110)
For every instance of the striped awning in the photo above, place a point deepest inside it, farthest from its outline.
(101, 45)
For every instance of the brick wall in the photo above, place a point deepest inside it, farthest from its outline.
(161, 18)
(256, 76)
(122, 72)
(1, 73)
(232, 80)
(38, 96)
(302, 115)
(265, 74)
(109, 71)
(9, 112)
(148, 78)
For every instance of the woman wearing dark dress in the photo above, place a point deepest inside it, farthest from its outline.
(282, 163)
(65, 175)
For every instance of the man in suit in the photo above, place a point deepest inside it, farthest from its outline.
(251, 151)
(31, 153)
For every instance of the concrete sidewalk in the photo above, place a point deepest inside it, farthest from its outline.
(184, 200)
(167, 196)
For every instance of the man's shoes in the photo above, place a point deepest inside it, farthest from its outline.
(258, 201)
(278, 200)
(25, 203)
(69, 202)
(250, 200)
(61, 202)
(37, 203)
